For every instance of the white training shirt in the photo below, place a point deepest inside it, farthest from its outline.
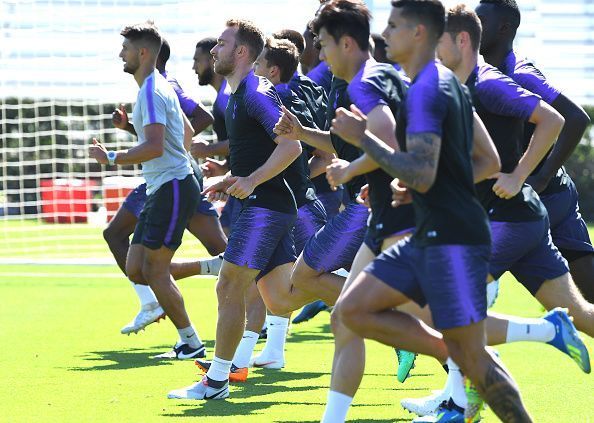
(158, 103)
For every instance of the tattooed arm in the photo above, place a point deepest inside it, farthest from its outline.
(416, 167)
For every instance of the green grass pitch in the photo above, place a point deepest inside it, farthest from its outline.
(63, 359)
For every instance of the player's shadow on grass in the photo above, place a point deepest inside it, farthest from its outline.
(262, 383)
(131, 358)
(316, 334)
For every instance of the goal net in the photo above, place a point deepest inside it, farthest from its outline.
(60, 80)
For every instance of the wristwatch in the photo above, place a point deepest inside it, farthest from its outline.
(111, 157)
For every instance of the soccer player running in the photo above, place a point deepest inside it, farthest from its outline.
(278, 62)
(203, 224)
(445, 263)
(204, 68)
(172, 189)
(343, 29)
(500, 20)
(519, 223)
(316, 99)
(260, 245)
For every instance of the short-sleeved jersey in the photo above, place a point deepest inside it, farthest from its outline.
(449, 212)
(297, 174)
(252, 112)
(188, 105)
(525, 74)
(339, 97)
(316, 99)
(504, 106)
(378, 84)
(218, 111)
(312, 95)
(322, 76)
(157, 103)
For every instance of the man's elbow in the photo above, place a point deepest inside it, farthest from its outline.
(295, 149)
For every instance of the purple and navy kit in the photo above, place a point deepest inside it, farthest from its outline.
(339, 98)
(322, 76)
(336, 244)
(526, 250)
(451, 279)
(331, 200)
(378, 84)
(560, 197)
(311, 217)
(187, 102)
(313, 95)
(520, 228)
(316, 99)
(261, 237)
(525, 74)
(252, 112)
(449, 213)
(445, 262)
(297, 173)
(218, 111)
(504, 106)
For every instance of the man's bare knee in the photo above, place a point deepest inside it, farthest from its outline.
(350, 313)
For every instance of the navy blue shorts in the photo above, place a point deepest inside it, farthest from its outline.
(335, 245)
(230, 212)
(527, 251)
(166, 213)
(311, 217)
(331, 201)
(568, 229)
(261, 239)
(135, 200)
(451, 279)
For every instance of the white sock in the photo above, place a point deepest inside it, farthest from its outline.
(219, 369)
(244, 351)
(189, 336)
(536, 330)
(145, 294)
(277, 335)
(456, 382)
(211, 266)
(337, 407)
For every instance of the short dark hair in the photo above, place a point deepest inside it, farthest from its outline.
(430, 13)
(509, 8)
(146, 32)
(293, 36)
(344, 17)
(249, 35)
(462, 19)
(165, 51)
(284, 54)
(207, 44)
